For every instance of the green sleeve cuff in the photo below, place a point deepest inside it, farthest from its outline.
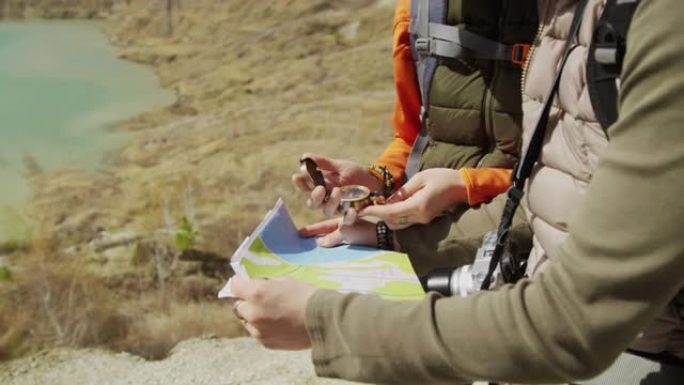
(320, 303)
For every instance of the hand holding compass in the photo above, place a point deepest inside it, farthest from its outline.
(339, 199)
(308, 165)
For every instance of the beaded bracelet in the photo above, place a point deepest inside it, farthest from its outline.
(384, 177)
(384, 236)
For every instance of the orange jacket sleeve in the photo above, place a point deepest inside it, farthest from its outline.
(483, 184)
(406, 117)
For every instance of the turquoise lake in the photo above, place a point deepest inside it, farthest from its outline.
(62, 89)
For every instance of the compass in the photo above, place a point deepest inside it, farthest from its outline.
(355, 196)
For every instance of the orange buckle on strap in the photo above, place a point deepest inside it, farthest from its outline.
(519, 53)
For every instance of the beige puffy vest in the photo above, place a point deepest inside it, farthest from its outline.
(574, 143)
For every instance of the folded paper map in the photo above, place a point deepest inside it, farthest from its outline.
(275, 249)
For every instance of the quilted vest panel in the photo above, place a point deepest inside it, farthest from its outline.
(574, 143)
(474, 113)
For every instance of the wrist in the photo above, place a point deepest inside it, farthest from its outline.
(385, 181)
(459, 187)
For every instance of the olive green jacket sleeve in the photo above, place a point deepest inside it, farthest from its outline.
(618, 269)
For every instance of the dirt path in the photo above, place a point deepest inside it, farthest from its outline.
(200, 361)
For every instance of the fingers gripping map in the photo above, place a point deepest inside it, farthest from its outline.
(275, 249)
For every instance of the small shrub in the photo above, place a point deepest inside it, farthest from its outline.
(186, 236)
(5, 273)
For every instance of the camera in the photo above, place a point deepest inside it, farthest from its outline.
(468, 280)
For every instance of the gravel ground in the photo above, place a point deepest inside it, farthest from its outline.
(210, 361)
(199, 361)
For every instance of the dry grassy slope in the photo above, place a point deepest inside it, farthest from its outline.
(258, 83)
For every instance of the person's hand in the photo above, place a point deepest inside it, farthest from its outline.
(423, 198)
(333, 232)
(337, 173)
(273, 311)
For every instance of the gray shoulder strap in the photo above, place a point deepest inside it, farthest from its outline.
(423, 14)
(438, 39)
(457, 42)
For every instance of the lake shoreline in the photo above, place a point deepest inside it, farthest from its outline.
(84, 93)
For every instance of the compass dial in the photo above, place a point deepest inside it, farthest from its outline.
(354, 196)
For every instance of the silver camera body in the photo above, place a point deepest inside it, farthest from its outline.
(467, 280)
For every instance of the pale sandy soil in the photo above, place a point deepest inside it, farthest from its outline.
(198, 361)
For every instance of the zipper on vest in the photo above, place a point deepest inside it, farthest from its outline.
(545, 13)
(526, 65)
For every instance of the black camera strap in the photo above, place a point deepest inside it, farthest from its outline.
(530, 156)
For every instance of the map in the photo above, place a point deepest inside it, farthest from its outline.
(275, 249)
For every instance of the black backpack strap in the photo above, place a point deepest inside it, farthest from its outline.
(530, 156)
(606, 54)
(423, 14)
